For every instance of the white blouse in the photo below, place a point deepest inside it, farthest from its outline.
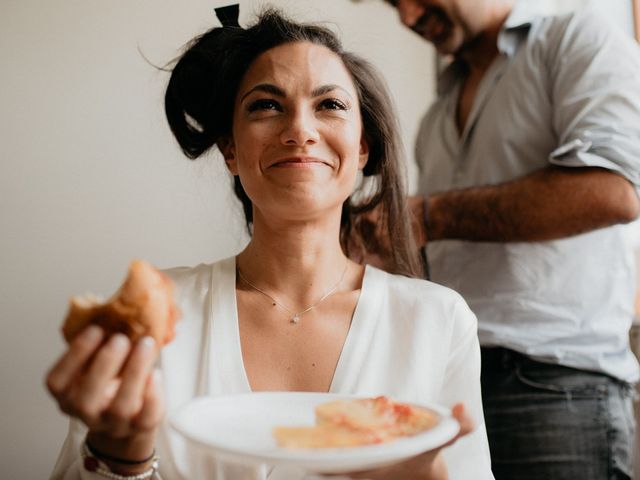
(410, 339)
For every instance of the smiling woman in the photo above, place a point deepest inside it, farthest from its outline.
(208, 86)
(296, 118)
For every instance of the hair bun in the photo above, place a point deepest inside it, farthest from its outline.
(196, 93)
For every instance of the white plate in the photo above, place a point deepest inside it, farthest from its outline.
(238, 428)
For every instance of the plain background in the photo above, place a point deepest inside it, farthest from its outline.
(90, 176)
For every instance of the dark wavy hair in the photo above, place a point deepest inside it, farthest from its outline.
(199, 104)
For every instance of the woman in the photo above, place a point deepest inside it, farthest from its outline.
(296, 119)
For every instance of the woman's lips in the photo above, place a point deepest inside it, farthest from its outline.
(299, 162)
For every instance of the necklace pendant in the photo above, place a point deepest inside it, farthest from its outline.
(295, 318)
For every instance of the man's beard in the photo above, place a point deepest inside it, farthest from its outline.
(434, 25)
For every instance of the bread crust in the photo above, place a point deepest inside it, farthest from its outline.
(142, 306)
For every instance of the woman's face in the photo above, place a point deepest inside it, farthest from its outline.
(297, 140)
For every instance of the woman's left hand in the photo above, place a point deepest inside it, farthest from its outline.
(426, 466)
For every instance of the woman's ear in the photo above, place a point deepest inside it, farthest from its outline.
(228, 149)
(364, 153)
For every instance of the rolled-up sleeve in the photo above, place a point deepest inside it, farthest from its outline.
(596, 97)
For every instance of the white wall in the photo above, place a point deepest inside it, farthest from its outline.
(90, 177)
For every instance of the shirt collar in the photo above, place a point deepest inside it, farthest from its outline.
(516, 28)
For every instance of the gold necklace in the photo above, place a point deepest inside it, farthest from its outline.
(295, 316)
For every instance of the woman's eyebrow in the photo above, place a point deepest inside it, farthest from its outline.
(326, 89)
(266, 88)
(273, 90)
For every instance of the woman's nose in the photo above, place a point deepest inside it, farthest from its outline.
(410, 11)
(300, 129)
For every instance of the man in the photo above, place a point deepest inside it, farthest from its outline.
(529, 164)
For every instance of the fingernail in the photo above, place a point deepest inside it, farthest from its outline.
(92, 333)
(147, 342)
(119, 342)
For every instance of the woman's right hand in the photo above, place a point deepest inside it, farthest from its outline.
(109, 384)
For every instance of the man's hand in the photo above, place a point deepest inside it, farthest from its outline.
(374, 245)
(416, 206)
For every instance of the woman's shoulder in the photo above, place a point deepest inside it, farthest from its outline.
(190, 275)
(192, 285)
(409, 288)
(424, 302)
(421, 316)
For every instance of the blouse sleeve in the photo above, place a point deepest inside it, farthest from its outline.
(469, 457)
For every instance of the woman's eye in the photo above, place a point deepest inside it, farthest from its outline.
(263, 104)
(333, 104)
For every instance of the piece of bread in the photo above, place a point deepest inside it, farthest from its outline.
(365, 421)
(325, 436)
(142, 306)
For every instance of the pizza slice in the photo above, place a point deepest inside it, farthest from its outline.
(348, 423)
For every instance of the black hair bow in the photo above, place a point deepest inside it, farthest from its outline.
(228, 15)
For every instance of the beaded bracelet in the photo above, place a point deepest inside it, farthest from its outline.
(95, 465)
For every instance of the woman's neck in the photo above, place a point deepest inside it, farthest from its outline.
(296, 261)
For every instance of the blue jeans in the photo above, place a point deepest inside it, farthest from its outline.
(548, 422)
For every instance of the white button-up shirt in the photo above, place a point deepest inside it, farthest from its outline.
(564, 91)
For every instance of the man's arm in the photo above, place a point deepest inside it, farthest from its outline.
(551, 203)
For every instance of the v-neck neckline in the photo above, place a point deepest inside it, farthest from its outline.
(483, 93)
(227, 370)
